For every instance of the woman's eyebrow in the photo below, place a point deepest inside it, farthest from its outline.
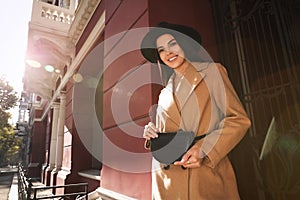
(171, 40)
(160, 47)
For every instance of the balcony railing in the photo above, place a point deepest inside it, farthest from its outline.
(55, 17)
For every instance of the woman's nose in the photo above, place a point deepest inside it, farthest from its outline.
(168, 51)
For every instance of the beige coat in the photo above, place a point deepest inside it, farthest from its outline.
(206, 103)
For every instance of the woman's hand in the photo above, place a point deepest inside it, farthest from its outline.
(150, 131)
(191, 159)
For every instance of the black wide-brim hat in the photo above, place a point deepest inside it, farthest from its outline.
(186, 36)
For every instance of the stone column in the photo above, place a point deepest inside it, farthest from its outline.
(60, 132)
(52, 153)
(59, 139)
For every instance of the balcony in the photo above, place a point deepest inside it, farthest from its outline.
(53, 33)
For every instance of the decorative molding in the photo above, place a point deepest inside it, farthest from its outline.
(82, 17)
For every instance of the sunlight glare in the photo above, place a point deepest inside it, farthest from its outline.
(13, 39)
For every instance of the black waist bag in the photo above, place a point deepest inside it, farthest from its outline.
(169, 147)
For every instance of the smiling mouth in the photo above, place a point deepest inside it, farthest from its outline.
(172, 58)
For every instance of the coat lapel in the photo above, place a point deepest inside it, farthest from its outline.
(192, 78)
(170, 105)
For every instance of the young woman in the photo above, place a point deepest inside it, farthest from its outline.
(198, 97)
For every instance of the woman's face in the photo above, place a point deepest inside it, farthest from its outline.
(169, 51)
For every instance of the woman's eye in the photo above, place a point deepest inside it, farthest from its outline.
(160, 50)
(173, 43)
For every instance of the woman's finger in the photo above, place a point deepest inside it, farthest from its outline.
(152, 126)
(150, 131)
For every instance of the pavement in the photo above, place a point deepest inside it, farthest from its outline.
(8, 183)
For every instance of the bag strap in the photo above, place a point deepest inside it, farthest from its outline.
(199, 137)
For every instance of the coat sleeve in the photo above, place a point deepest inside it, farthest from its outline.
(232, 125)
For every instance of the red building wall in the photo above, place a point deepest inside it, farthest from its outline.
(122, 172)
(45, 176)
(37, 147)
(195, 13)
